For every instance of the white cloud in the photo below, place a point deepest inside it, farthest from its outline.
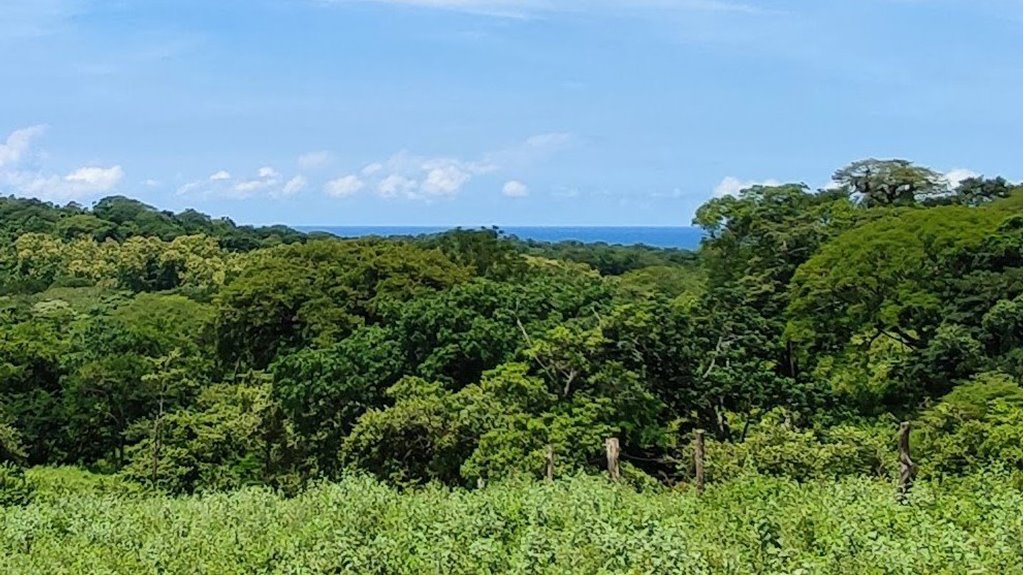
(421, 178)
(673, 194)
(268, 181)
(151, 183)
(78, 184)
(294, 186)
(17, 175)
(18, 143)
(190, 187)
(444, 178)
(436, 177)
(371, 169)
(344, 186)
(396, 185)
(247, 187)
(314, 160)
(730, 186)
(550, 141)
(957, 175)
(515, 189)
(94, 178)
(530, 151)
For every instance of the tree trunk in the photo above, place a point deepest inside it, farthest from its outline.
(611, 446)
(698, 460)
(157, 439)
(907, 467)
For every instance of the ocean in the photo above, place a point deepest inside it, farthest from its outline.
(682, 237)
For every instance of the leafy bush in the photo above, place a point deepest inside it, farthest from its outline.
(14, 488)
(224, 443)
(56, 483)
(976, 425)
(753, 524)
(776, 446)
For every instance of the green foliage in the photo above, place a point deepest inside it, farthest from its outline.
(497, 427)
(777, 446)
(323, 391)
(456, 334)
(409, 441)
(12, 447)
(976, 191)
(755, 242)
(229, 438)
(292, 296)
(32, 353)
(194, 263)
(926, 279)
(487, 251)
(863, 376)
(165, 322)
(671, 281)
(15, 489)
(888, 182)
(185, 354)
(608, 260)
(977, 425)
(119, 218)
(578, 525)
(884, 273)
(55, 484)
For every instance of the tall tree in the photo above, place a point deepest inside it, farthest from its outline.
(888, 182)
(926, 279)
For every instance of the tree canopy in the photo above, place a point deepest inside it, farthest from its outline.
(184, 352)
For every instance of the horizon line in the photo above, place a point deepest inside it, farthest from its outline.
(474, 226)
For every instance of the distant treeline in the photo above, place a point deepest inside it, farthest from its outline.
(119, 218)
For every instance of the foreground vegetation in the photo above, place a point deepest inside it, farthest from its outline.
(748, 525)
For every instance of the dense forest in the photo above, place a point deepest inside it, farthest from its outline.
(182, 394)
(185, 353)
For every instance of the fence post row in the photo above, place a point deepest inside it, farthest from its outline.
(611, 447)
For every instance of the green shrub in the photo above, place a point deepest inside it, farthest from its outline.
(55, 483)
(576, 525)
(14, 487)
(776, 446)
(977, 425)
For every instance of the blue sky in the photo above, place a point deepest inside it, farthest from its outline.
(479, 112)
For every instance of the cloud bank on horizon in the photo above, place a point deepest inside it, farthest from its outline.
(21, 173)
(438, 112)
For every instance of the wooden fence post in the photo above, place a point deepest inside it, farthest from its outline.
(549, 472)
(611, 447)
(698, 460)
(907, 467)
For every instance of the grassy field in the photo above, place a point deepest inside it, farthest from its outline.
(575, 525)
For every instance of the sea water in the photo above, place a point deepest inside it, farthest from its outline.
(663, 237)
